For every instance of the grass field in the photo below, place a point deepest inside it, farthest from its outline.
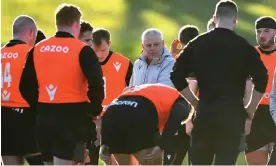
(127, 19)
(241, 161)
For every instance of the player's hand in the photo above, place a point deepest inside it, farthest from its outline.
(189, 127)
(248, 123)
(98, 130)
(175, 50)
(105, 155)
(155, 154)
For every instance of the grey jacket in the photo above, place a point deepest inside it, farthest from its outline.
(273, 98)
(158, 71)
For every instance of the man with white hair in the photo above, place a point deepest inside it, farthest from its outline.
(155, 63)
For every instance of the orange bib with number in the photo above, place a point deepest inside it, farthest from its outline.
(12, 60)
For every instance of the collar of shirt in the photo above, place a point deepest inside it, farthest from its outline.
(107, 58)
(14, 42)
(63, 34)
(266, 52)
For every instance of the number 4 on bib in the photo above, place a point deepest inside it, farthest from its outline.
(6, 76)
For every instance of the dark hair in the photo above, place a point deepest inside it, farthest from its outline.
(99, 35)
(40, 36)
(265, 22)
(226, 8)
(187, 33)
(67, 14)
(85, 26)
(211, 23)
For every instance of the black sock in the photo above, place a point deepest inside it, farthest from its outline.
(35, 160)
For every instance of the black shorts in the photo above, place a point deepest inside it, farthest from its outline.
(263, 129)
(127, 129)
(63, 134)
(18, 131)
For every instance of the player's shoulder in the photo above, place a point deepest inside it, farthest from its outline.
(23, 47)
(138, 62)
(119, 56)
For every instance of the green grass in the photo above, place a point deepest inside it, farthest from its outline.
(127, 19)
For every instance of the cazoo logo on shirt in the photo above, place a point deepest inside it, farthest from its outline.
(54, 48)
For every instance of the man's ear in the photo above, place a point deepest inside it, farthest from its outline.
(236, 20)
(215, 19)
(109, 43)
(31, 33)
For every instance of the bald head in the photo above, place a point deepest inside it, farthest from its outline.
(24, 28)
(21, 23)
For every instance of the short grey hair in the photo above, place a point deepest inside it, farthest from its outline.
(22, 22)
(151, 31)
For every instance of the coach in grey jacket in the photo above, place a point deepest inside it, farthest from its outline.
(155, 63)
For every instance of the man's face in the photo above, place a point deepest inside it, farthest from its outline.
(153, 46)
(86, 37)
(101, 50)
(265, 37)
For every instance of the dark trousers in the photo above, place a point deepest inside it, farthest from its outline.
(217, 133)
(93, 149)
(176, 156)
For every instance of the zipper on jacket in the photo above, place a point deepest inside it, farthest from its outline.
(146, 74)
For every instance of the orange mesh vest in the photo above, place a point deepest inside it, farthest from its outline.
(59, 75)
(13, 60)
(162, 96)
(270, 63)
(114, 74)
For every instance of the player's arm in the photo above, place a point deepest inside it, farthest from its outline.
(248, 92)
(179, 113)
(192, 83)
(129, 73)
(259, 75)
(92, 71)
(28, 85)
(181, 70)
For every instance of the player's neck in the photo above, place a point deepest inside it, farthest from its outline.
(273, 47)
(20, 38)
(148, 60)
(226, 25)
(66, 29)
